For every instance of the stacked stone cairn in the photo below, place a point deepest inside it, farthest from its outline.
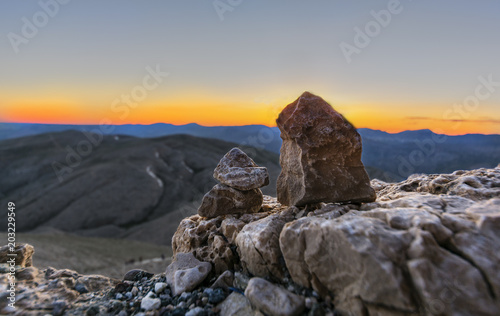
(239, 189)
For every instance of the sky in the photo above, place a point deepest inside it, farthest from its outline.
(387, 65)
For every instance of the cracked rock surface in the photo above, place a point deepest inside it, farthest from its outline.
(239, 171)
(320, 156)
(428, 245)
(416, 250)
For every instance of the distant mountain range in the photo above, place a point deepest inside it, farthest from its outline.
(258, 136)
(391, 157)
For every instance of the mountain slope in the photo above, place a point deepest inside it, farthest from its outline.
(123, 187)
(258, 136)
(390, 157)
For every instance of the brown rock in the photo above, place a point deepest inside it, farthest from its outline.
(23, 254)
(211, 239)
(203, 237)
(320, 156)
(27, 274)
(231, 227)
(223, 200)
(239, 171)
(136, 275)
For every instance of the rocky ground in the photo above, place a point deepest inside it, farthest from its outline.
(90, 255)
(428, 245)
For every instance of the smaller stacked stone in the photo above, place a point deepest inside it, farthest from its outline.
(238, 192)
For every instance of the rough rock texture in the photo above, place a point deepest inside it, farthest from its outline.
(186, 272)
(258, 246)
(222, 200)
(23, 254)
(320, 156)
(417, 250)
(50, 291)
(273, 300)
(429, 245)
(203, 237)
(413, 251)
(66, 292)
(239, 171)
(213, 240)
(239, 191)
(474, 185)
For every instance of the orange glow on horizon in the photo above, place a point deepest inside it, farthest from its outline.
(213, 113)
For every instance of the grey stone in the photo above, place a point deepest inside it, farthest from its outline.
(150, 303)
(235, 305)
(239, 171)
(186, 272)
(224, 281)
(258, 246)
(159, 287)
(272, 299)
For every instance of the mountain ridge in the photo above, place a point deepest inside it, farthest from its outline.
(436, 153)
(126, 187)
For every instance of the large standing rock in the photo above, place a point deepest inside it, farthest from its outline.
(239, 171)
(320, 156)
(223, 200)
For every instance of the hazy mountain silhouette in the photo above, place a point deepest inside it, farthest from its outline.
(402, 154)
(389, 156)
(258, 136)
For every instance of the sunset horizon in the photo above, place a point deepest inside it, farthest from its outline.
(261, 114)
(174, 62)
